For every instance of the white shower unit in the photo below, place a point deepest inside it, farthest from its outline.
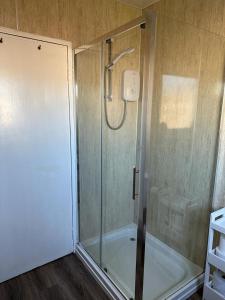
(142, 165)
(35, 151)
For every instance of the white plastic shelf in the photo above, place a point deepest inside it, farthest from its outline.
(211, 294)
(217, 223)
(216, 261)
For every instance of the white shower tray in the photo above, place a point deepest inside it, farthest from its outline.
(166, 271)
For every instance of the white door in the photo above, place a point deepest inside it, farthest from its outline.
(35, 169)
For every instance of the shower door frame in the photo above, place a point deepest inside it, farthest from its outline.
(147, 58)
(147, 62)
(148, 31)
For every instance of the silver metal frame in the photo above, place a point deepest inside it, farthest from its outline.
(148, 46)
(122, 29)
(77, 155)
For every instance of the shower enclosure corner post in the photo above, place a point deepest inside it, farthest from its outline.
(73, 147)
(102, 58)
(148, 45)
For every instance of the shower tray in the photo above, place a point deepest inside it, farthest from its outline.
(166, 270)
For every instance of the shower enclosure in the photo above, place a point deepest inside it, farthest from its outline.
(144, 178)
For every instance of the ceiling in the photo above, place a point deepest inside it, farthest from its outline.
(139, 3)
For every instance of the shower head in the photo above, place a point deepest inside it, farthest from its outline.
(119, 56)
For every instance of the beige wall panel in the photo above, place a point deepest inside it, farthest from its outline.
(100, 16)
(204, 14)
(189, 78)
(8, 13)
(72, 20)
(40, 17)
(211, 81)
(77, 20)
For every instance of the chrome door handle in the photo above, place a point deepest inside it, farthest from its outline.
(135, 171)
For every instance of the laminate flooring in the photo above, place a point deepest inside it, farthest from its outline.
(63, 279)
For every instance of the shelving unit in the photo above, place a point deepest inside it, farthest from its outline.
(217, 223)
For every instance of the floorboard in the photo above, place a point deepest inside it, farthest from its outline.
(63, 279)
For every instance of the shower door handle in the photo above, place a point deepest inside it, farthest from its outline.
(135, 171)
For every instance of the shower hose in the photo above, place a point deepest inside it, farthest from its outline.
(106, 109)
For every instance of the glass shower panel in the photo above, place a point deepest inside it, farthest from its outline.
(118, 159)
(180, 158)
(88, 94)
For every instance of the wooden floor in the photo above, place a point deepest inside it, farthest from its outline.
(63, 279)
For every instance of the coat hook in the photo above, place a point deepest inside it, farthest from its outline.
(39, 47)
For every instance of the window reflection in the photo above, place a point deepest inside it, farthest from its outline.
(178, 101)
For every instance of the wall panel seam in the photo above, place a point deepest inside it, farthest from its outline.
(17, 17)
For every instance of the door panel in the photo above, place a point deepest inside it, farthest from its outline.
(35, 185)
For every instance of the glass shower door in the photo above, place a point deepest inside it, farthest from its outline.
(107, 121)
(119, 209)
(179, 160)
(88, 106)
